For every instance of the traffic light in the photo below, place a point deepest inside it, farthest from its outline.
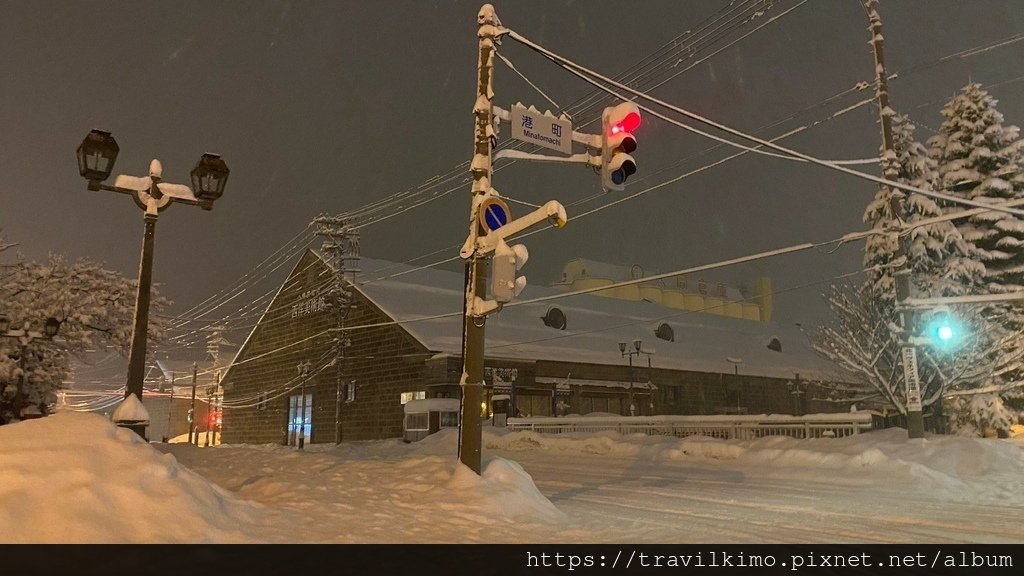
(943, 331)
(507, 261)
(617, 143)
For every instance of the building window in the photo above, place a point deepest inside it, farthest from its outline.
(417, 421)
(300, 418)
(409, 396)
(665, 332)
(449, 419)
(261, 404)
(350, 391)
(775, 345)
(554, 318)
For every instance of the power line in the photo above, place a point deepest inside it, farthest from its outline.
(687, 312)
(582, 72)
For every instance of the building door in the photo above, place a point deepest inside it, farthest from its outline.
(300, 418)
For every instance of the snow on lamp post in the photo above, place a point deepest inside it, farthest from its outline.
(96, 156)
(24, 337)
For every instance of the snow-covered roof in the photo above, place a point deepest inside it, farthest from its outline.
(618, 272)
(594, 327)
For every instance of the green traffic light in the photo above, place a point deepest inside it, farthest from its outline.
(944, 331)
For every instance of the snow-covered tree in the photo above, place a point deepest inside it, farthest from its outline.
(865, 337)
(95, 307)
(979, 158)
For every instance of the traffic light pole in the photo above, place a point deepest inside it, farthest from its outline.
(915, 418)
(470, 441)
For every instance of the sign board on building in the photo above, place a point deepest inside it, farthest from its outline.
(543, 129)
(910, 375)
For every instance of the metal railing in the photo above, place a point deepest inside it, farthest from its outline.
(723, 427)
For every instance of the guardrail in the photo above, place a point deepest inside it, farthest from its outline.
(724, 427)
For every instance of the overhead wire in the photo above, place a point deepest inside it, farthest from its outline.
(641, 192)
(652, 64)
(675, 315)
(584, 72)
(450, 259)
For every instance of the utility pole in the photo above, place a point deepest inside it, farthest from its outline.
(303, 368)
(192, 410)
(341, 245)
(337, 409)
(890, 170)
(216, 409)
(488, 31)
(211, 392)
(170, 405)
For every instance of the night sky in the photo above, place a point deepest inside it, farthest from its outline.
(324, 106)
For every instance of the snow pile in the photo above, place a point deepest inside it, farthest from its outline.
(975, 469)
(77, 478)
(588, 443)
(502, 489)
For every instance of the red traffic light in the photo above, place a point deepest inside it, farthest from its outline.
(617, 143)
(628, 124)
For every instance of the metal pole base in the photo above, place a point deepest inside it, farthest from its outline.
(915, 425)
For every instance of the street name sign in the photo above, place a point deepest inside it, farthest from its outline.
(541, 128)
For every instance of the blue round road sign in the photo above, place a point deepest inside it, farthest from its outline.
(494, 214)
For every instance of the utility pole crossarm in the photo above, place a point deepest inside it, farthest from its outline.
(971, 299)
(581, 158)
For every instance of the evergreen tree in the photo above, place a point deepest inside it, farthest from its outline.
(979, 158)
(865, 338)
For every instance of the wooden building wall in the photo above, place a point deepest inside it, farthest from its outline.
(380, 363)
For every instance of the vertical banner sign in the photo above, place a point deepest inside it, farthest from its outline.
(542, 129)
(910, 375)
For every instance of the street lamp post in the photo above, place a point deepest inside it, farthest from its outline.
(96, 156)
(636, 350)
(25, 336)
(736, 372)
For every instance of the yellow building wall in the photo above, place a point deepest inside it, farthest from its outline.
(673, 299)
(714, 305)
(763, 296)
(575, 277)
(652, 293)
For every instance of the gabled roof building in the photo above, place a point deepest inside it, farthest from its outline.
(301, 377)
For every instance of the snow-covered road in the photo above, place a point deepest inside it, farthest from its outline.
(879, 487)
(76, 478)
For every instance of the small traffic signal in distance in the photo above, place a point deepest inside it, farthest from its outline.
(507, 261)
(617, 143)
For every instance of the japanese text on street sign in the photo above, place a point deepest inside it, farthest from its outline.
(541, 129)
(910, 374)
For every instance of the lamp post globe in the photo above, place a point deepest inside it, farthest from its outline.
(209, 177)
(96, 156)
